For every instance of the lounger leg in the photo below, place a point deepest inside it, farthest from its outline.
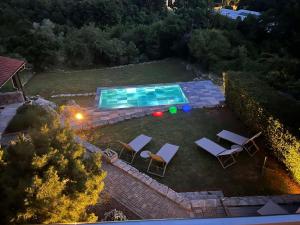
(157, 174)
(121, 152)
(223, 164)
(134, 154)
(149, 165)
(248, 149)
(165, 167)
(255, 145)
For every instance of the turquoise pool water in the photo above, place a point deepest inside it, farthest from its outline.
(141, 96)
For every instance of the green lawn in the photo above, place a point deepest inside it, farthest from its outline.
(47, 84)
(194, 169)
(8, 86)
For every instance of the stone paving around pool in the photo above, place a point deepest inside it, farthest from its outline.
(201, 94)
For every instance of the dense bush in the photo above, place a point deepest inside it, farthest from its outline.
(28, 116)
(209, 47)
(114, 215)
(264, 109)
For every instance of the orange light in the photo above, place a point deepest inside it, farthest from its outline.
(79, 116)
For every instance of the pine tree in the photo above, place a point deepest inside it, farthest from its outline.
(48, 178)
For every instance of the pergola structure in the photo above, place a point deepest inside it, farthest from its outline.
(9, 70)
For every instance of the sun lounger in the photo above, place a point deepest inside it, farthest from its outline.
(135, 145)
(247, 143)
(163, 158)
(225, 156)
(271, 208)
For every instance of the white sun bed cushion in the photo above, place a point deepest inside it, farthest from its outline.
(210, 146)
(232, 137)
(167, 152)
(139, 142)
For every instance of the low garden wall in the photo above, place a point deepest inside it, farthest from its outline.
(262, 108)
(11, 97)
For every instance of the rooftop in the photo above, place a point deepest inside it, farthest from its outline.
(8, 68)
(242, 13)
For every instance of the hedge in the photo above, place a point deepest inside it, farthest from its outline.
(262, 108)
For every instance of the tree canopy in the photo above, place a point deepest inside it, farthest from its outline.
(48, 178)
(112, 32)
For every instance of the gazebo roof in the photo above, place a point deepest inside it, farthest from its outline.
(8, 68)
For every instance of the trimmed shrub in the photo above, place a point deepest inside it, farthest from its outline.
(28, 116)
(262, 108)
(114, 215)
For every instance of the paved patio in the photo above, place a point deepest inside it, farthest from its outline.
(6, 115)
(201, 94)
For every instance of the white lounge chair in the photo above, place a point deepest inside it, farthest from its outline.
(162, 157)
(222, 154)
(135, 145)
(247, 143)
(271, 208)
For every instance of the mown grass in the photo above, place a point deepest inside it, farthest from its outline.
(50, 83)
(193, 169)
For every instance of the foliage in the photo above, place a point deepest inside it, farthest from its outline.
(114, 215)
(264, 109)
(112, 32)
(28, 116)
(209, 47)
(47, 178)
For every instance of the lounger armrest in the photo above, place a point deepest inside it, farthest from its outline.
(156, 158)
(126, 146)
(253, 138)
(229, 152)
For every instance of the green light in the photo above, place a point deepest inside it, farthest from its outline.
(173, 109)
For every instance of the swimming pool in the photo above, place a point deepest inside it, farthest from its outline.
(141, 96)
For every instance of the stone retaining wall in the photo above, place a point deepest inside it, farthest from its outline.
(260, 200)
(7, 98)
(74, 95)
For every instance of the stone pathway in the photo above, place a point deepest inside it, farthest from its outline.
(202, 93)
(6, 115)
(139, 198)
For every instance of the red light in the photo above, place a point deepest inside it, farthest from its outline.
(157, 114)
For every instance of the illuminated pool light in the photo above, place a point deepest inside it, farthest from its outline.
(173, 109)
(157, 114)
(186, 108)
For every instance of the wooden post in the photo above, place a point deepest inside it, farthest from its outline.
(19, 85)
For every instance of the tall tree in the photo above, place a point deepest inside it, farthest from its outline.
(47, 178)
